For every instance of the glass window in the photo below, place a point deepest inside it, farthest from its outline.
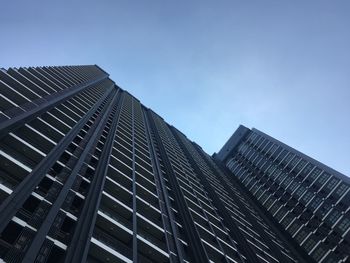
(269, 202)
(277, 152)
(242, 148)
(306, 198)
(287, 159)
(314, 174)
(294, 161)
(231, 163)
(292, 187)
(271, 169)
(272, 149)
(324, 209)
(267, 147)
(282, 155)
(281, 213)
(263, 144)
(318, 253)
(309, 244)
(301, 236)
(300, 166)
(275, 207)
(275, 174)
(286, 182)
(331, 183)
(307, 170)
(258, 193)
(252, 136)
(257, 160)
(255, 138)
(281, 178)
(341, 190)
(294, 227)
(300, 191)
(253, 156)
(315, 203)
(286, 221)
(323, 178)
(258, 141)
(334, 216)
(344, 224)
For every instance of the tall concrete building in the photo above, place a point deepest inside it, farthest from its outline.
(89, 174)
(305, 198)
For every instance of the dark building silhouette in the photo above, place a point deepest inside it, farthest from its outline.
(89, 174)
(307, 199)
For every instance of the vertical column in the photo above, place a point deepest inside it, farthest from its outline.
(171, 235)
(134, 200)
(91, 140)
(77, 251)
(195, 243)
(243, 244)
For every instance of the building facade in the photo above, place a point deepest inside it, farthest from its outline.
(309, 201)
(89, 174)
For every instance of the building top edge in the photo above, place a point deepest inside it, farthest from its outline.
(306, 157)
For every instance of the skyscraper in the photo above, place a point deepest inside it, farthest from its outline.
(89, 174)
(307, 199)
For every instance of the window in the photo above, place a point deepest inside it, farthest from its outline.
(300, 191)
(318, 253)
(288, 158)
(323, 178)
(282, 155)
(292, 187)
(301, 236)
(344, 224)
(262, 145)
(281, 213)
(300, 166)
(254, 138)
(309, 244)
(286, 221)
(251, 137)
(275, 207)
(286, 182)
(56, 255)
(281, 178)
(314, 174)
(267, 147)
(276, 153)
(272, 149)
(294, 161)
(275, 174)
(306, 198)
(331, 184)
(341, 190)
(334, 216)
(324, 209)
(242, 148)
(294, 227)
(230, 164)
(271, 169)
(315, 203)
(11, 232)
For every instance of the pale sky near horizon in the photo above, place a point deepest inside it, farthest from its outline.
(280, 66)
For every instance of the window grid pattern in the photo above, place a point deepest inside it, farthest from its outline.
(308, 201)
(246, 226)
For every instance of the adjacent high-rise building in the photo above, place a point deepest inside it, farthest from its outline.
(305, 198)
(89, 174)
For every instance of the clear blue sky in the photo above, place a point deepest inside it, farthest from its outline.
(207, 66)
